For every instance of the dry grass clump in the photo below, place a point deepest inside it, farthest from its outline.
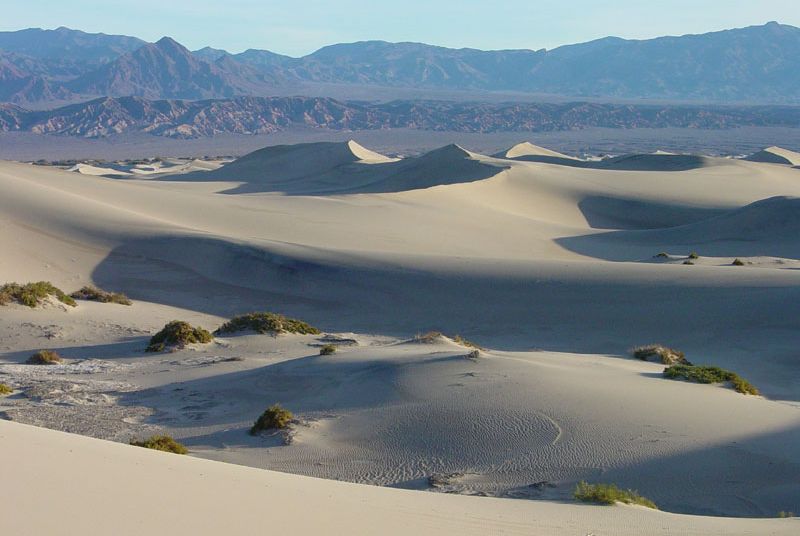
(474, 354)
(694, 255)
(5, 389)
(688, 262)
(662, 354)
(703, 374)
(178, 334)
(662, 255)
(33, 294)
(737, 262)
(267, 323)
(610, 494)
(275, 417)
(91, 293)
(458, 339)
(328, 349)
(429, 337)
(163, 443)
(44, 357)
(782, 514)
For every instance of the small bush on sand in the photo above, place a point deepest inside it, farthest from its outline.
(163, 443)
(702, 374)
(688, 262)
(458, 339)
(662, 255)
(276, 417)
(95, 294)
(32, 294)
(328, 349)
(694, 255)
(267, 323)
(610, 494)
(429, 337)
(5, 389)
(178, 334)
(660, 354)
(474, 354)
(737, 262)
(783, 514)
(44, 357)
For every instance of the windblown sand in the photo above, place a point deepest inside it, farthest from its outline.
(546, 261)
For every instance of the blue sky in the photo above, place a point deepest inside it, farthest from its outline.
(300, 27)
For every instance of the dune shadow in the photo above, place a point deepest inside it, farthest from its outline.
(603, 212)
(632, 162)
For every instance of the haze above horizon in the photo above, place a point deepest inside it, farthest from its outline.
(284, 28)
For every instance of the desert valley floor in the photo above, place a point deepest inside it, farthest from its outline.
(556, 267)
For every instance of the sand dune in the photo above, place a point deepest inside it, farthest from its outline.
(549, 266)
(776, 155)
(524, 150)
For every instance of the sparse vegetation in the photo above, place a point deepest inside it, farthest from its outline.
(267, 323)
(704, 374)
(276, 417)
(662, 255)
(688, 262)
(694, 255)
(664, 355)
(5, 389)
(328, 349)
(178, 334)
(610, 494)
(474, 354)
(33, 294)
(737, 262)
(458, 339)
(95, 294)
(163, 443)
(783, 514)
(429, 337)
(44, 357)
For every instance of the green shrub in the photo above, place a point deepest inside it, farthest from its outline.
(178, 334)
(5, 389)
(474, 354)
(276, 417)
(44, 357)
(328, 349)
(783, 514)
(703, 374)
(32, 294)
(267, 323)
(738, 262)
(458, 339)
(694, 255)
(95, 294)
(688, 262)
(610, 494)
(664, 355)
(662, 255)
(163, 443)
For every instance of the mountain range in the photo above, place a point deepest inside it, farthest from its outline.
(110, 116)
(757, 64)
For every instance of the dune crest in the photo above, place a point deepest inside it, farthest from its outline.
(776, 155)
(526, 149)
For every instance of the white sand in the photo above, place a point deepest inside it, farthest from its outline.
(549, 264)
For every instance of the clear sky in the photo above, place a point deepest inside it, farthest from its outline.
(298, 27)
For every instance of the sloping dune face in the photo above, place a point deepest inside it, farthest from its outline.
(527, 149)
(552, 268)
(776, 155)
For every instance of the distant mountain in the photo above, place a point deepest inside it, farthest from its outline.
(758, 64)
(262, 115)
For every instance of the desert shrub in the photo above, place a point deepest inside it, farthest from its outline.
(328, 349)
(609, 494)
(429, 337)
(5, 389)
(267, 323)
(662, 255)
(694, 255)
(44, 357)
(688, 262)
(32, 294)
(464, 342)
(178, 334)
(95, 294)
(664, 355)
(783, 514)
(737, 262)
(703, 374)
(275, 417)
(474, 354)
(163, 443)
